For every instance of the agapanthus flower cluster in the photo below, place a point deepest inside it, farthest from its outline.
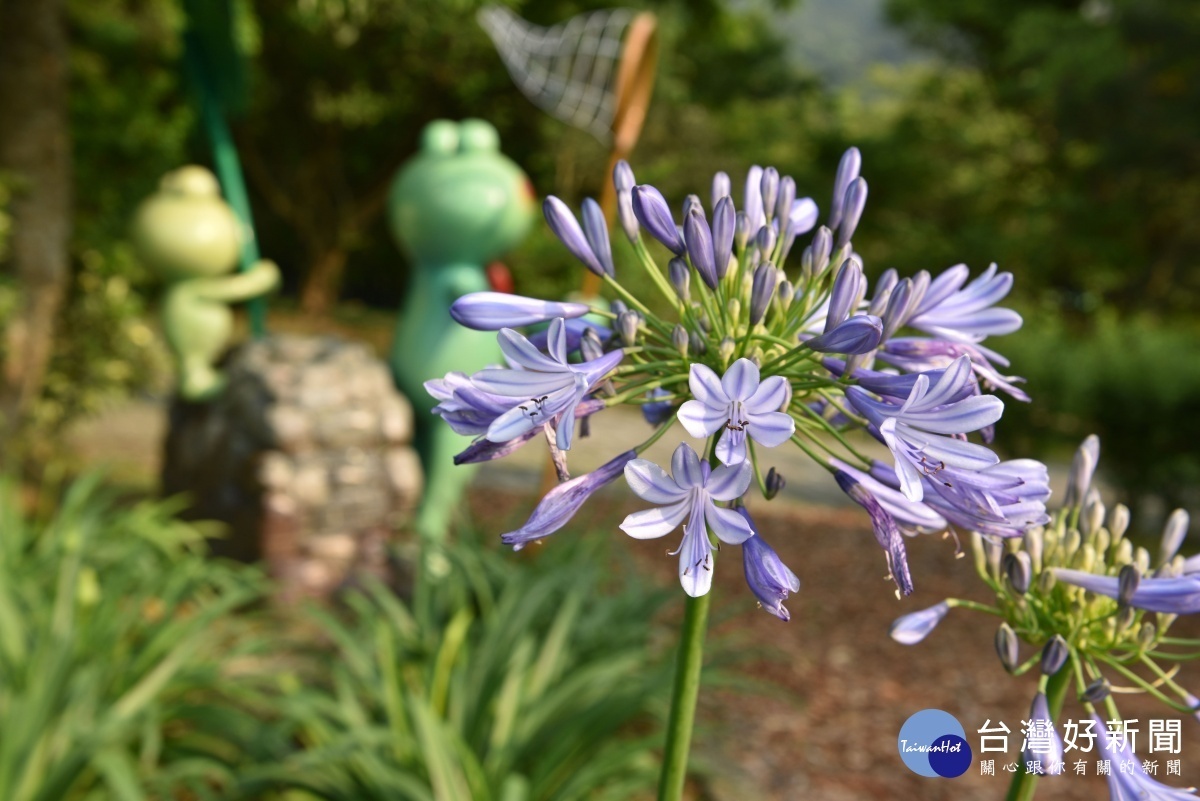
(1097, 612)
(765, 342)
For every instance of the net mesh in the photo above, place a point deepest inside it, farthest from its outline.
(568, 70)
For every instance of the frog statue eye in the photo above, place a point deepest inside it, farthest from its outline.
(477, 136)
(440, 137)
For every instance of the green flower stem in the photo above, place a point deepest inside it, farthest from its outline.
(643, 387)
(652, 269)
(1142, 683)
(962, 603)
(656, 436)
(1024, 784)
(683, 699)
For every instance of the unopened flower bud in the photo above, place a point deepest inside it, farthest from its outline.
(1097, 691)
(770, 190)
(1046, 581)
(786, 293)
(1127, 584)
(721, 187)
(1146, 635)
(1118, 521)
(741, 231)
(697, 344)
(1033, 540)
(993, 549)
(775, 484)
(852, 209)
(627, 326)
(1093, 516)
(1141, 558)
(590, 345)
(726, 349)
(679, 339)
(1082, 468)
(1007, 647)
(761, 292)
(847, 171)
(783, 204)
(1017, 569)
(915, 626)
(1054, 655)
(734, 307)
(692, 203)
(681, 278)
(1173, 535)
(1124, 553)
(618, 307)
(1125, 619)
(764, 240)
(806, 265)
(822, 246)
(723, 230)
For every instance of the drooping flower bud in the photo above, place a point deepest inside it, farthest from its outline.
(491, 311)
(681, 278)
(564, 225)
(1128, 580)
(652, 211)
(561, 503)
(1097, 691)
(767, 576)
(595, 228)
(1054, 655)
(859, 334)
(774, 483)
(1018, 570)
(1046, 756)
(914, 627)
(1007, 647)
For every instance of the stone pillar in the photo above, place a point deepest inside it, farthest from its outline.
(306, 457)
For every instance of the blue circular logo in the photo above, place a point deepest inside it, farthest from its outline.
(933, 743)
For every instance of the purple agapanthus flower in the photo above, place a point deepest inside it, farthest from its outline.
(548, 386)
(740, 403)
(857, 334)
(588, 243)
(915, 626)
(919, 354)
(1133, 784)
(466, 408)
(689, 495)
(484, 450)
(1176, 595)
(887, 533)
(767, 576)
(491, 311)
(1003, 500)
(965, 314)
(913, 517)
(563, 501)
(922, 432)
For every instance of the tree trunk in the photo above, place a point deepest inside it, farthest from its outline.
(35, 152)
(324, 280)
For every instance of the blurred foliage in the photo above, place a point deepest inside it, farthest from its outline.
(1133, 382)
(508, 680)
(1111, 91)
(112, 624)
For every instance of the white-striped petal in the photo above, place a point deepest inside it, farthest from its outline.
(706, 387)
(651, 483)
(728, 525)
(770, 396)
(701, 420)
(726, 483)
(520, 351)
(685, 467)
(771, 429)
(652, 523)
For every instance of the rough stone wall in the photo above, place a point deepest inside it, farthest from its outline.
(306, 456)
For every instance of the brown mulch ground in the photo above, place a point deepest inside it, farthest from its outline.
(835, 689)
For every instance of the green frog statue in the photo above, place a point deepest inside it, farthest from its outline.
(454, 207)
(191, 238)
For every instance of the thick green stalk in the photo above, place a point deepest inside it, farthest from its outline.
(683, 699)
(1024, 784)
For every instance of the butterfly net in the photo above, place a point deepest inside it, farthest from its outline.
(568, 70)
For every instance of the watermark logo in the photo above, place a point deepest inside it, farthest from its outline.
(933, 743)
